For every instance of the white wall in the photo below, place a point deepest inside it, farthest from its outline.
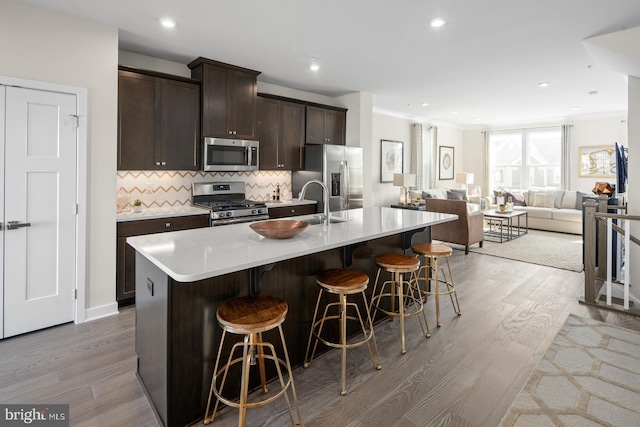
(584, 132)
(452, 137)
(37, 44)
(395, 129)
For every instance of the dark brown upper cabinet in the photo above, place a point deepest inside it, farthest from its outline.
(326, 125)
(158, 122)
(281, 134)
(229, 99)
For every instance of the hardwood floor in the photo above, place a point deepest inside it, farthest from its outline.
(466, 374)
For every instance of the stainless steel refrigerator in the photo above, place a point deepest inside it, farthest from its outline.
(340, 168)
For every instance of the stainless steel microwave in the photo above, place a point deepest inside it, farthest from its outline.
(221, 154)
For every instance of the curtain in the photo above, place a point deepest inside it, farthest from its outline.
(424, 142)
(432, 149)
(565, 181)
(417, 154)
(486, 172)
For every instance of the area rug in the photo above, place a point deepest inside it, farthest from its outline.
(557, 250)
(589, 376)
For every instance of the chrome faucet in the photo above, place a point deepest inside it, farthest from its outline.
(326, 197)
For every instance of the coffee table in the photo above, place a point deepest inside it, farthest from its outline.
(502, 227)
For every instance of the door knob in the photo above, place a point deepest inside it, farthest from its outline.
(12, 225)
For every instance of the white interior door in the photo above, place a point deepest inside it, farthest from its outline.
(2, 135)
(39, 209)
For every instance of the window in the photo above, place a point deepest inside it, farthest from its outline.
(526, 158)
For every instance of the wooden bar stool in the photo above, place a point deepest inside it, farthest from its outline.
(251, 316)
(411, 299)
(342, 282)
(431, 253)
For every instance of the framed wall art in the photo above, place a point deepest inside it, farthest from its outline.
(445, 162)
(597, 161)
(391, 159)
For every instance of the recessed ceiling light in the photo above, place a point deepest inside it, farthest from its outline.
(575, 108)
(437, 22)
(593, 92)
(454, 112)
(168, 23)
(424, 104)
(543, 84)
(314, 65)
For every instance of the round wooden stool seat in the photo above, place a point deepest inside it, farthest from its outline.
(397, 263)
(431, 249)
(434, 275)
(342, 281)
(252, 314)
(398, 290)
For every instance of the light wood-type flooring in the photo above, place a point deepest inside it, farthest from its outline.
(466, 374)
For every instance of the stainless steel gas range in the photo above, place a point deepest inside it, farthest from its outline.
(227, 202)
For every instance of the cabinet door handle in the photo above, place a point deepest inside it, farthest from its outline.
(164, 163)
(12, 225)
(293, 211)
(157, 163)
(167, 224)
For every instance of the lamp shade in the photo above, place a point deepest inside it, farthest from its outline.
(404, 179)
(464, 178)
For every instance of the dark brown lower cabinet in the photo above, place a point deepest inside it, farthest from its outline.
(126, 255)
(285, 211)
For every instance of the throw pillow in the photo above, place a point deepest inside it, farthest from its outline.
(579, 201)
(518, 199)
(464, 194)
(452, 195)
(569, 200)
(544, 200)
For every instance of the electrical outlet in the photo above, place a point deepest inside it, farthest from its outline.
(149, 188)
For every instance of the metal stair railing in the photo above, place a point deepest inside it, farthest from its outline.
(598, 268)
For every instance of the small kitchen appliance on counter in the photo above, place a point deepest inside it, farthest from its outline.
(227, 202)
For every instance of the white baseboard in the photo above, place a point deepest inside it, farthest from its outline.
(96, 313)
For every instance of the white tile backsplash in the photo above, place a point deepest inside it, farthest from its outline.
(173, 188)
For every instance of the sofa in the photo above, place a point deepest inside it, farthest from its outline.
(467, 230)
(549, 209)
(474, 203)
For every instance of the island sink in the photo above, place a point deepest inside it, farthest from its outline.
(320, 220)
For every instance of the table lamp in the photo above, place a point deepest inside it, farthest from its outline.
(404, 180)
(464, 178)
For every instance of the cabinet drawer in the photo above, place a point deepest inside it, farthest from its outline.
(285, 211)
(161, 225)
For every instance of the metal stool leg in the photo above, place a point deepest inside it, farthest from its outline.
(452, 290)
(293, 387)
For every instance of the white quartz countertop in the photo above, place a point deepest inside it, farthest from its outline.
(192, 255)
(165, 212)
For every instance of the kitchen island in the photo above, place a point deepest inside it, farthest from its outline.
(182, 278)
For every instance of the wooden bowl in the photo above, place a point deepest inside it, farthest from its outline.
(278, 228)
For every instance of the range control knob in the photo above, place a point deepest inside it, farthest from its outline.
(254, 211)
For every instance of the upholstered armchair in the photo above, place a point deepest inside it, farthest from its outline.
(466, 230)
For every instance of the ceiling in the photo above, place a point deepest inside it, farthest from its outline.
(480, 69)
